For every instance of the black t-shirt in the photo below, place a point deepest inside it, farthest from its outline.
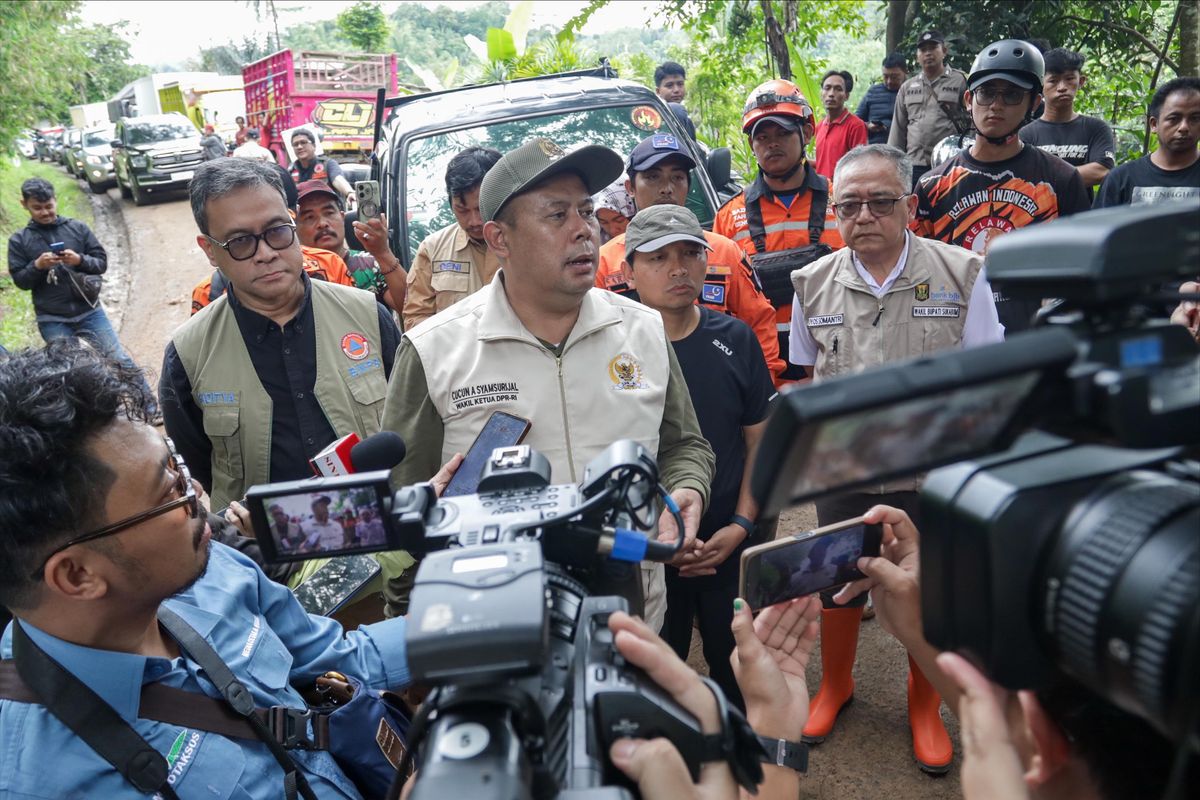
(1140, 182)
(730, 385)
(1083, 140)
(968, 203)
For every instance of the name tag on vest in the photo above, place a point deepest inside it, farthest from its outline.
(831, 319)
(935, 311)
(452, 266)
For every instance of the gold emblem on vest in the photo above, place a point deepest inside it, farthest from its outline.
(625, 372)
(922, 292)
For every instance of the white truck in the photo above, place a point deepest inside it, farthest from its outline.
(139, 98)
(89, 115)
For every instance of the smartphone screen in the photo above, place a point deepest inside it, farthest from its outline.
(57, 247)
(807, 563)
(501, 430)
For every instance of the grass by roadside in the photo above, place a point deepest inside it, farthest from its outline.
(17, 327)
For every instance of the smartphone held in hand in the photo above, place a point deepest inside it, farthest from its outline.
(807, 563)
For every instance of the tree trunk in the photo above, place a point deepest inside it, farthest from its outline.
(1189, 37)
(776, 42)
(899, 18)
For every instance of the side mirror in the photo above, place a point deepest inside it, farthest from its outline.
(116, 144)
(719, 166)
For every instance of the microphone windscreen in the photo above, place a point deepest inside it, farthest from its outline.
(382, 450)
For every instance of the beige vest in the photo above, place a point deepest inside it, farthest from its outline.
(350, 385)
(458, 267)
(609, 383)
(923, 312)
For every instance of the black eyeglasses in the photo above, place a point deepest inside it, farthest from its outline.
(187, 498)
(879, 207)
(1012, 96)
(241, 248)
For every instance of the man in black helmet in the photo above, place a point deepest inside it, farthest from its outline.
(1000, 183)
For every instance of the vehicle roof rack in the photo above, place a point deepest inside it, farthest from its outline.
(602, 70)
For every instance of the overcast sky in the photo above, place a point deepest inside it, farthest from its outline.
(169, 32)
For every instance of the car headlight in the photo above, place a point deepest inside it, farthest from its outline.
(98, 161)
(139, 162)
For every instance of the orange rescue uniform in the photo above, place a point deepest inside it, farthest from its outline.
(729, 287)
(320, 264)
(786, 227)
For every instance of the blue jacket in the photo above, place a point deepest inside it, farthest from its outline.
(266, 638)
(877, 105)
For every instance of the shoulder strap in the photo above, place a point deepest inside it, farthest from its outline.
(236, 695)
(816, 212)
(91, 719)
(217, 286)
(754, 221)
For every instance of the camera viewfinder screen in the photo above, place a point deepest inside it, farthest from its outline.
(910, 435)
(805, 566)
(329, 522)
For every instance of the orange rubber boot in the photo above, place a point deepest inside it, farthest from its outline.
(931, 743)
(839, 643)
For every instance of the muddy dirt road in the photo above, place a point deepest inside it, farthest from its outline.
(869, 754)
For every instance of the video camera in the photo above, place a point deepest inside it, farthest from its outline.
(1074, 550)
(508, 618)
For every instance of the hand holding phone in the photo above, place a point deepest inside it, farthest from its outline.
(370, 204)
(501, 430)
(807, 563)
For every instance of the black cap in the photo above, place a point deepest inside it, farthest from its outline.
(931, 36)
(656, 148)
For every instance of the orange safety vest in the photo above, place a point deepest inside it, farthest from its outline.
(320, 264)
(770, 226)
(729, 287)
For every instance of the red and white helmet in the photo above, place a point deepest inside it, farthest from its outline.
(777, 98)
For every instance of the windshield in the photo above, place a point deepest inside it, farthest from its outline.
(426, 206)
(150, 132)
(98, 137)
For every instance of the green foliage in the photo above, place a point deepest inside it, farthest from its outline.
(99, 63)
(1122, 42)
(364, 26)
(17, 326)
(228, 59)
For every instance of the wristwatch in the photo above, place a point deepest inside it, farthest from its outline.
(785, 753)
(738, 519)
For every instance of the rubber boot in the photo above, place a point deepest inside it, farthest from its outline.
(839, 643)
(931, 743)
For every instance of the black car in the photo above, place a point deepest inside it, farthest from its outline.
(154, 154)
(422, 132)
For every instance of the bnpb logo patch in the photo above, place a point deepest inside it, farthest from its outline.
(356, 346)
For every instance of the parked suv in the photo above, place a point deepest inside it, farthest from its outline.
(154, 154)
(421, 133)
(71, 139)
(91, 158)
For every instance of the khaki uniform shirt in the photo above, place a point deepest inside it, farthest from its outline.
(918, 122)
(449, 266)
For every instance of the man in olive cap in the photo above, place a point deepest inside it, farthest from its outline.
(585, 366)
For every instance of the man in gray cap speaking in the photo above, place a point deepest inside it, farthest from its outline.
(585, 366)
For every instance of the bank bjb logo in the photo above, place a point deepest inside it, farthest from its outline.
(344, 115)
(625, 372)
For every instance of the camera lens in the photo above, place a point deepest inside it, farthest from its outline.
(1121, 591)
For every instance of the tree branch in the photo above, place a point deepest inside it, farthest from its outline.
(1153, 48)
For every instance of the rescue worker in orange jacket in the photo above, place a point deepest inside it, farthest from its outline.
(659, 174)
(784, 219)
(320, 264)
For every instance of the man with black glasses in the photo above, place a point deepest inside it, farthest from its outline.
(121, 600)
(1000, 183)
(887, 296)
(262, 379)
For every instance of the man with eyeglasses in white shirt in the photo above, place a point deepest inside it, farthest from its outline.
(887, 296)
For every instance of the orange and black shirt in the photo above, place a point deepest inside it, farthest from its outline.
(969, 203)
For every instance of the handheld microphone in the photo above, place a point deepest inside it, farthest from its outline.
(349, 454)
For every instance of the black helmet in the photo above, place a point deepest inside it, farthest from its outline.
(1014, 60)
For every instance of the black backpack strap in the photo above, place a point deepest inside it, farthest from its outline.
(238, 697)
(754, 221)
(91, 719)
(816, 212)
(218, 285)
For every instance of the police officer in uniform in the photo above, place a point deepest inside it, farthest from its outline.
(926, 100)
(889, 295)
(659, 172)
(782, 220)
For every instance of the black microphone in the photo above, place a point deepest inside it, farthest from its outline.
(382, 450)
